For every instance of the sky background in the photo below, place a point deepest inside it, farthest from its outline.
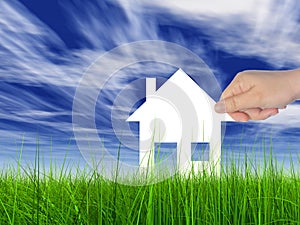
(46, 46)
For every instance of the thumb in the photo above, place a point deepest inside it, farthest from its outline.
(236, 103)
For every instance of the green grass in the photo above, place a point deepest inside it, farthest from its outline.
(244, 193)
(236, 197)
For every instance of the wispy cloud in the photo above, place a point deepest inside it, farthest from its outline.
(267, 29)
(287, 117)
(27, 54)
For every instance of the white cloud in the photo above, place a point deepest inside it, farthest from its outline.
(266, 29)
(263, 29)
(25, 54)
(288, 117)
(218, 7)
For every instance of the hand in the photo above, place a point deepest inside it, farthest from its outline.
(257, 95)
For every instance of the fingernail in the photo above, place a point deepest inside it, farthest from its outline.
(220, 107)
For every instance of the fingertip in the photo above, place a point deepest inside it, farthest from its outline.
(220, 107)
(266, 113)
(273, 112)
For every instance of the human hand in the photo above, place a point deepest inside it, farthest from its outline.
(257, 95)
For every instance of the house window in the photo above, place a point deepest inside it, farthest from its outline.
(165, 152)
(200, 151)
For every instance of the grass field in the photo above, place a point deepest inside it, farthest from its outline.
(239, 196)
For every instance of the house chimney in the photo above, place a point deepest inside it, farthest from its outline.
(150, 86)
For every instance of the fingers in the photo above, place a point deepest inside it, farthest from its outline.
(254, 95)
(253, 114)
(240, 116)
(239, 85)
(236, 103)
(261, 114)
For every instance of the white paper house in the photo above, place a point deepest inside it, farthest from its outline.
(179, 112)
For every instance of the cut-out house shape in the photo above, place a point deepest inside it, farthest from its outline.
(179, 112)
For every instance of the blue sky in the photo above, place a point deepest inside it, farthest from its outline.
(46, 46)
